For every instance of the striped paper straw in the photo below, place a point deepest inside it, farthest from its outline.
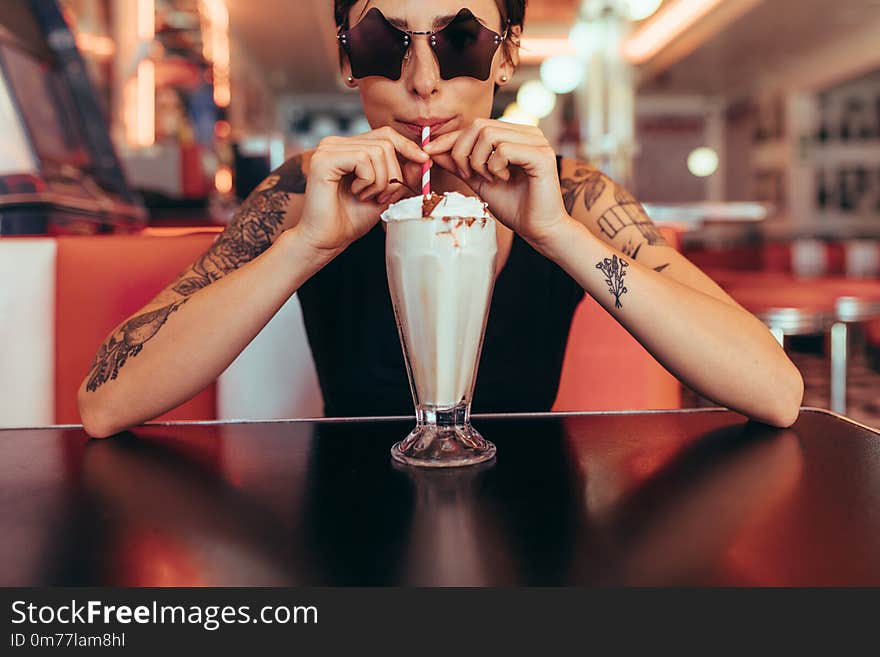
(426, 167)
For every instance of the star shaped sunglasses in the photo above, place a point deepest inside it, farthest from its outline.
(464, 47)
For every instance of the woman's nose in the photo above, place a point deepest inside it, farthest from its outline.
(422, 71)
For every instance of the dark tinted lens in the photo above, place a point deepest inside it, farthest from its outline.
(375, 47)
(465, 48)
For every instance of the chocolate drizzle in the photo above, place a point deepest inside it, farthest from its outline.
(463, 221)
(429, 202)
(451, 233)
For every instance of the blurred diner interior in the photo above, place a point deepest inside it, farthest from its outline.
(133, 129)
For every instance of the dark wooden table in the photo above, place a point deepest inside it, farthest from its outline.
(656, 498)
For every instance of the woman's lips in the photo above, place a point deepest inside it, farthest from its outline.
(437, 126)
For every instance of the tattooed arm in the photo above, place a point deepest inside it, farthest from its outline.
(612, 214)
(190, 332)
(600, 235)
(610, 246)
(283, 233)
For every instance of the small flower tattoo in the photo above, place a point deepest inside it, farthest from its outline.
(614, 269)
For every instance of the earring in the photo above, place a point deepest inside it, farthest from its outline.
(350, 80)
(503, 79)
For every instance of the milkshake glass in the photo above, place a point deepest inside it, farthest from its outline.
(440, 256)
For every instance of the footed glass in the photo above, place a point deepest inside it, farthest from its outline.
(441, 272)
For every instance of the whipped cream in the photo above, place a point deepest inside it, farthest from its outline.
(452, 204)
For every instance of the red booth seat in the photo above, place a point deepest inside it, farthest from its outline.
(100, 281)
(771, 257)
(732, 257)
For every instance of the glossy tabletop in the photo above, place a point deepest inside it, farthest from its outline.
(654, 498)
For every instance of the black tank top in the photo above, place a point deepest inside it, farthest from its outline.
(353, 336)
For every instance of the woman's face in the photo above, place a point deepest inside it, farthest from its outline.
(421, 97)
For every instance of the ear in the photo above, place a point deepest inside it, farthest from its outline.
(510, 56)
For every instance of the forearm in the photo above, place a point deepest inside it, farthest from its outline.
(717, 349)
(191, 341)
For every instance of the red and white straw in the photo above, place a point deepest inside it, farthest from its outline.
(426, 167)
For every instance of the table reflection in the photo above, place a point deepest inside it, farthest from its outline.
(647, 501)
(156, 515)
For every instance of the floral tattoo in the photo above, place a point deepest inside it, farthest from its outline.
(614, 269)
(585, 183)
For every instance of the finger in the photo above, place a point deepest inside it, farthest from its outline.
(491, 137)
(531, 159)
(482, 149)
(411, 180)
(412, 175)
(334, 163)
(498, 163)
(407, 185)
(364, 142)
(406, 147)
(397, 150)
(443, 143)
(391, 161)
(462, 149)
(385, 163)
(364, 171)
(395, 174)
(393, 197)
(447, 141)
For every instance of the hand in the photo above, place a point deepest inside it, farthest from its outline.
(350, 184)
(512, 168)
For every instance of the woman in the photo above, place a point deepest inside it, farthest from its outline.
(313, 226)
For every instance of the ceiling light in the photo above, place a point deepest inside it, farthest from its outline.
(536, 99)
(666, 26)
(583, 37)
(702, 162)
(639, 10)
(516, 114)
(562, 74)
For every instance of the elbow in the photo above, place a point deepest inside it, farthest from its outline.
(787, 405)
(784, 417)
(96, 421)
(96, 428)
